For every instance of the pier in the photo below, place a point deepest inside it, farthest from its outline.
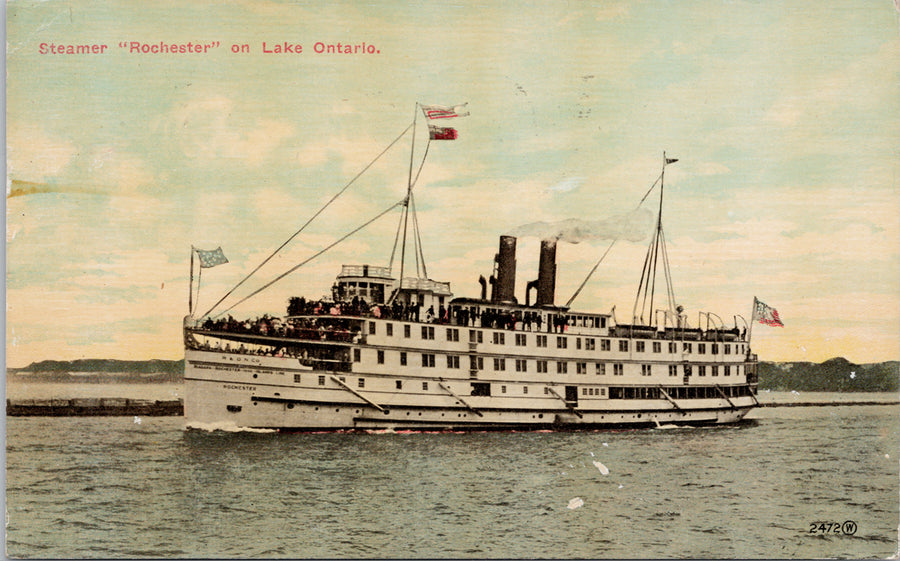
(94, 407)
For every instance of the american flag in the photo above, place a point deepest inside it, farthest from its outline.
(767, 315)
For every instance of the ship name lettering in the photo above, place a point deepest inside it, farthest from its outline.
(237, 387)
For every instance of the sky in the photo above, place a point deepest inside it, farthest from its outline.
(785, 119)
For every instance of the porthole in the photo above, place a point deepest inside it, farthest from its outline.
(540, 416)
(290, 405)
(255, 376)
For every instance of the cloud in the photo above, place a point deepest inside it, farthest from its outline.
(36, 155)
(214, 128)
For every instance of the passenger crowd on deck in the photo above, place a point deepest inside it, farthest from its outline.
(302, 323)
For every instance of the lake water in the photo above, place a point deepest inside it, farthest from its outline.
(125, 487)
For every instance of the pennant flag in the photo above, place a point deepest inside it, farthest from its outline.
(443, 112)
(671, 160)
(211, 258)
(766, 315)
(441, 133)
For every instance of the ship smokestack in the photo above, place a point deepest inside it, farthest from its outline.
(505, 287)
(546, 288)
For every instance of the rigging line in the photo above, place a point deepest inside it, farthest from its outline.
(418, 237)
(597, 264)
(396, 240)
(418, 233)
(668, 272)
(320, 252)
(645, 269)
(415, 240)
(400, 223)
(314, 216)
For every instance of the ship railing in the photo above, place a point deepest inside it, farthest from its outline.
(365, 271)
(413, 283)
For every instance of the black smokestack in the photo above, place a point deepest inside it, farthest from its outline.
(506, 271)
(546, 290)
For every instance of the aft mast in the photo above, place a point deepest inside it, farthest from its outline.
(656, 252)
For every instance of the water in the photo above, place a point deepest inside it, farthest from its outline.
(124, 487)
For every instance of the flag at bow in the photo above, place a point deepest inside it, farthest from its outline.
(441, 133)
(766, 314)
(211, 258)
(671, 160)
(444, 112)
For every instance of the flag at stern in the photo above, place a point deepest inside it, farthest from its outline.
(766, 314)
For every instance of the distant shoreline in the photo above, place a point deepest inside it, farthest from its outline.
(833, 375)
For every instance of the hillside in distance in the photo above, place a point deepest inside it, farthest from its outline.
(100, 370)
(834, 375)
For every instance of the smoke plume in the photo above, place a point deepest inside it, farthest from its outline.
(633, 227)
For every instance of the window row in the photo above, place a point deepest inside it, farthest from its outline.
(562, 341)
(428, 360)
(625, 392)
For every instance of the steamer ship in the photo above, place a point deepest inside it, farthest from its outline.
(395, 352)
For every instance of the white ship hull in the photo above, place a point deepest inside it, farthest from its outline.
(373, 392)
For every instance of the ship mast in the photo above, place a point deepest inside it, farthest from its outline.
(656, 253)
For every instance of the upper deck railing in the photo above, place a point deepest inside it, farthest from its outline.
(365, 271)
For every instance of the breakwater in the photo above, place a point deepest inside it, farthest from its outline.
(93, 407)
